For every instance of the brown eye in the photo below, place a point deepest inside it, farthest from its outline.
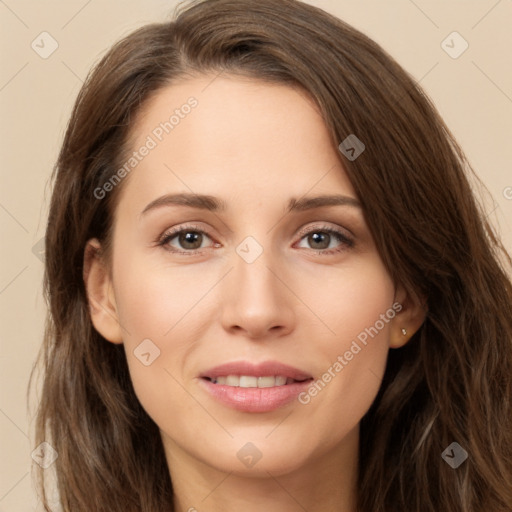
(326, 240)
(319, 240)
(190, 239)
(185, 240)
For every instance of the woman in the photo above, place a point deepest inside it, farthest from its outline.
(269, 283)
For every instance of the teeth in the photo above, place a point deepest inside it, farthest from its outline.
(232, 380)
(280, 381)
(249, 381)
(267, 382)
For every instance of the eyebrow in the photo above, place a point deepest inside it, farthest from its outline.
(214, 204)
(203, 202)
(308, 203)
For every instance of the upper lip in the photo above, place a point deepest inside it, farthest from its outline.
(264, 369)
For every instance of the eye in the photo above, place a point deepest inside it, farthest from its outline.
(190, 240)
(184, 239)
(323, 238)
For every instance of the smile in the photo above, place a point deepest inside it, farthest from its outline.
(255, 388)
(250, 381)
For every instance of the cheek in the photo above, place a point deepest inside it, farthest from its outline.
(158, 308)
(347, 300)
(152, 300)
(355, 305)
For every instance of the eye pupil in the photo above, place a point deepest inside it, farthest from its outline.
(319, 238)
(190, 237)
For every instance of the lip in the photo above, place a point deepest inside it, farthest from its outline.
(255, 399)
(264, 369)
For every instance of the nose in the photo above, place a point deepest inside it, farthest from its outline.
(256, 301)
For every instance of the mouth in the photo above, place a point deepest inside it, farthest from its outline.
(252, 381)
(254, 388)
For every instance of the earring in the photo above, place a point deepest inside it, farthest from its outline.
(404, 331)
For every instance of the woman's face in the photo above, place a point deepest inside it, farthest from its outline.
(274, 273)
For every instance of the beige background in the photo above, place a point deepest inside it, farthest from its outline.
(473, 93)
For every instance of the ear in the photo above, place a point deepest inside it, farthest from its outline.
(100, 293)
(409, 318)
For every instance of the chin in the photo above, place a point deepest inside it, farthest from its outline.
(257, 459)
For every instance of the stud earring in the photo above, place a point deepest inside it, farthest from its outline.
(404, 331)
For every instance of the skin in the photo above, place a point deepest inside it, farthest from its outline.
(254, 146)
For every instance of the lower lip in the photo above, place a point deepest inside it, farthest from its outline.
(255, 399)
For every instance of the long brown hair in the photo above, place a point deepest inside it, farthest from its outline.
(450, 383)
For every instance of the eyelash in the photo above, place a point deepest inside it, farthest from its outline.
(346, 242)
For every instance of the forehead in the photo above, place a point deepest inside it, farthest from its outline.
(219, 134)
